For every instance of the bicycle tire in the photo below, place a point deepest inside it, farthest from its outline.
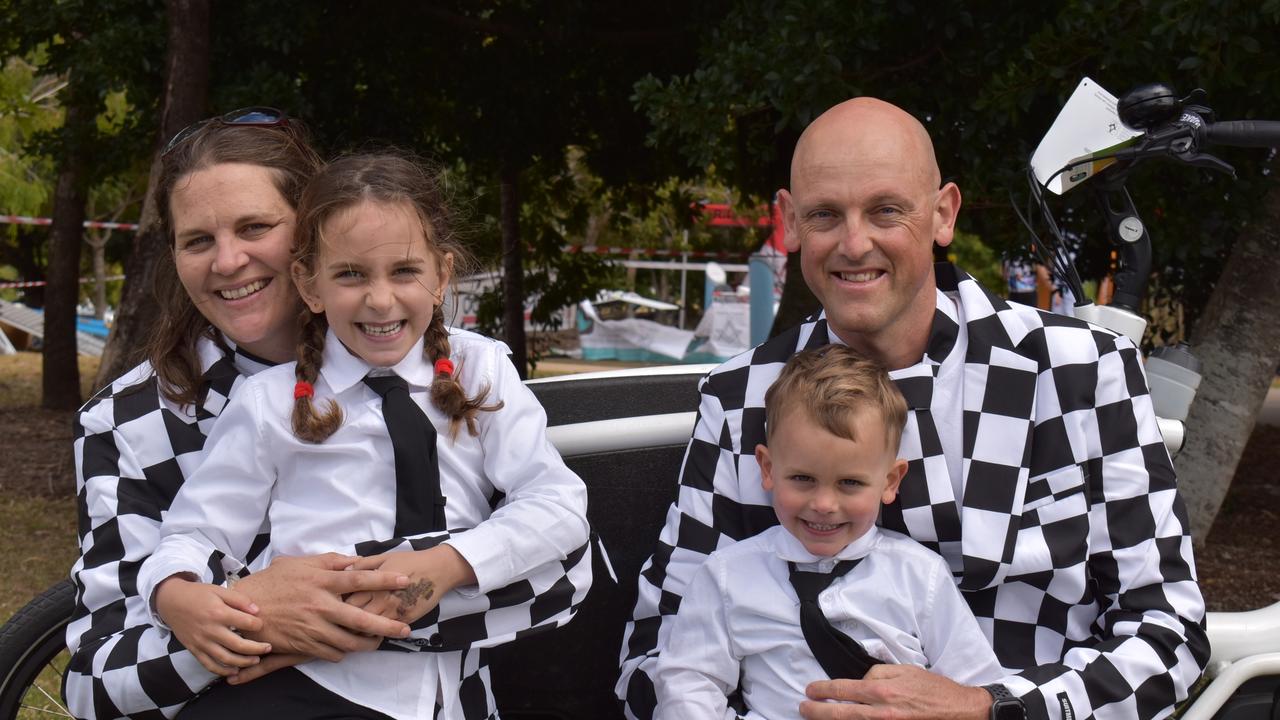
(30, 641)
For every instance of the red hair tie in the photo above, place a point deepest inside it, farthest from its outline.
(303, 389)
(444, 366)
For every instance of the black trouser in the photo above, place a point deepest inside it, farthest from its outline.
(282, 695)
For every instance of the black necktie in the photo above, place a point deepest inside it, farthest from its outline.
(419, 504)
(840, 655)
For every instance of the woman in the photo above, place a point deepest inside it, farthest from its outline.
(226, 197)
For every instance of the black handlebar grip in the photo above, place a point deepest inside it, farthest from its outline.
(1244, 133)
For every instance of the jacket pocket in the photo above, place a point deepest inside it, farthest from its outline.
(1052, 487)
(1054, 531)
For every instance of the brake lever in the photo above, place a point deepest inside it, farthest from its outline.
(1187, 149)
(1205, 160)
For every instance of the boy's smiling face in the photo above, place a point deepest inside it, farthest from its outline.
(827, 490)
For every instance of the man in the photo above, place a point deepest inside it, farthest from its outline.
(1035, 467)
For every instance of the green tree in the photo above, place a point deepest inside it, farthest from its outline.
(98, 48)
(27, 108)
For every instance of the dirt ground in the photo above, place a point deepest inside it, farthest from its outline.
(1239, 565)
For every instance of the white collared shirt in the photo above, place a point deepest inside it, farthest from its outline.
(739, 623)
(328, 496)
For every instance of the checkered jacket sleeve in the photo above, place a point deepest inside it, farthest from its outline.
(1145, 645)
(121, 665)
(547, 597)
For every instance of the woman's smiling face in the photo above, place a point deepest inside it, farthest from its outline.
(233, 232)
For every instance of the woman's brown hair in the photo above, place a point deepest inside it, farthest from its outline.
(284, 150)
(392, 178)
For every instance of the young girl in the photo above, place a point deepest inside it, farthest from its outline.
(336, 448)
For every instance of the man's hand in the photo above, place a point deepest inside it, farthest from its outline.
(905, 691)
(300, 602)
(205, 618)
(432, 573)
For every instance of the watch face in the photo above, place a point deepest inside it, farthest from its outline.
(1011, 709)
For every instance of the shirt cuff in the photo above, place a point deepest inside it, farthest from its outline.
(489, 561)
(153, 573)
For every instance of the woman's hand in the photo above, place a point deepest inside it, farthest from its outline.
(432, 573)
(205, 619)
(270, 663)
(303, 612)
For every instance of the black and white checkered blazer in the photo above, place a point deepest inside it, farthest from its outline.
(1070, 542)
(133, 450)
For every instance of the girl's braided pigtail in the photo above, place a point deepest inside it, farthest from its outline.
(446, 392)
(307, 424)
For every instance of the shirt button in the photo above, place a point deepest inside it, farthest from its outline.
(435, 640)
(419, 642)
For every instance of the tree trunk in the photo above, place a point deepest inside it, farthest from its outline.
(797, 301)
(1238, 340)
(513, 270)
(60, 369)
(98, 245)
(186, 93)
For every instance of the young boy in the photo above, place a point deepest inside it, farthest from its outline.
(833, 422)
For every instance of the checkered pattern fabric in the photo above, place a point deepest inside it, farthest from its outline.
(539, 602)
(133, 450)
(1069, 541)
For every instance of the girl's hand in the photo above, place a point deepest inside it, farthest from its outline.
(432, 573)
(205, 617)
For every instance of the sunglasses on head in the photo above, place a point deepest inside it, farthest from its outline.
(244, 117)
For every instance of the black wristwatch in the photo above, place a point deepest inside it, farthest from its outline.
(1004, 705)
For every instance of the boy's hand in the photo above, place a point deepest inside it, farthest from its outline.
(432, 573)
(205, 617)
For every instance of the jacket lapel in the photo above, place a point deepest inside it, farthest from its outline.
(999, 398)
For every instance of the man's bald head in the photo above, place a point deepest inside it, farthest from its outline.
(866, 126)
(865, 209)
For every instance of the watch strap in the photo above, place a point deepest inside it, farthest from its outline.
(1004, 704)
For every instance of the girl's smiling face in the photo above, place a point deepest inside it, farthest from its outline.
(377, 279)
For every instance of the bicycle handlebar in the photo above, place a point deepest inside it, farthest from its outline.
(1171, 128)
(1242, 133)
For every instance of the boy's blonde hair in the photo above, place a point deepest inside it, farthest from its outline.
(832, 385)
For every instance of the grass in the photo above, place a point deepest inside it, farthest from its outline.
(37, 546)
(37, 531)
(38, 527)
(20, 379)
